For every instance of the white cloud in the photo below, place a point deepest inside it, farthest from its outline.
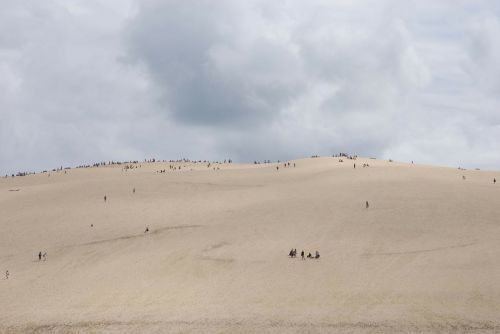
(83, 81)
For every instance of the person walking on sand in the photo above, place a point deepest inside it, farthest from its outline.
(494, 180)
(7, 274)
(354, 165)
(105, 198)
(147, 229)
(302, 254)
(40, 256)
(367, 205)
(133, 191)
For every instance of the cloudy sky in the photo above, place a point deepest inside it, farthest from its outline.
(91, 80)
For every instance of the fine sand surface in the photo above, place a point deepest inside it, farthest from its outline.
(425, 257)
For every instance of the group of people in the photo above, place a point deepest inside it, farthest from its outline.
(293, 253)
(346, 155)
(286, 164)
(42, 256)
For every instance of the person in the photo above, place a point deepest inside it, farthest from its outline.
(309, 255)
(133, 191)
(317, 255)
(354, 165)
(39, 256)
(302, 254)
(7, 274)
(91, 225)
(463, 177)
(147, 229)
(367, 204)
(44, 256)
(105, 198)
(291, 253)
(494, 180)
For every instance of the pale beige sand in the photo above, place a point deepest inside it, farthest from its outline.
(425, 257)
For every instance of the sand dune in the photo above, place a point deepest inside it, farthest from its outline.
(425, 257)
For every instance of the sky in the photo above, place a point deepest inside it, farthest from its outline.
(93, 80)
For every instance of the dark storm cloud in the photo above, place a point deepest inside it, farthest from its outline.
(212, 66)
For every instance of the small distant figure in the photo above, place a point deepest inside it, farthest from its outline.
(317, 255)
(147, 229)
(39, 256)
(367, 204)
(295, 252)
(302, 255)
(105, 198)
(277, 167)
(494, 180)
(7, 274)
(91, 225)
(291, 253)
(309, 256)
(294, 165)
(463, 177)
(133, 191)
(355, 166)
(44, 256)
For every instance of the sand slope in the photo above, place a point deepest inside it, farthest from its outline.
(425, 257)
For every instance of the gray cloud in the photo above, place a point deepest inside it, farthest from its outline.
(415, 80)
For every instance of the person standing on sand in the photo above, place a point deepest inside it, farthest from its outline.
(302, 254)
(40, 256)
(354, 165)
(105, 198)
(494, 180)
(7, 274)
(133, 191)
(367, 204)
